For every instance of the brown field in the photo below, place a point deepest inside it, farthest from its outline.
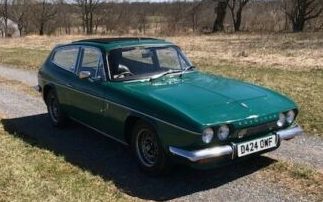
(283, 51)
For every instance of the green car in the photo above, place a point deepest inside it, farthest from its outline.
(145, 93)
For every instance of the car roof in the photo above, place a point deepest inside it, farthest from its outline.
(122, 42)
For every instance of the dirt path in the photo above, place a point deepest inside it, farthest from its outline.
(26, 115)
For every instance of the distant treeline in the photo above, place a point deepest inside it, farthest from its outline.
(168, 18)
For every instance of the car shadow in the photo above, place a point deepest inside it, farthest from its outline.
(112, 161)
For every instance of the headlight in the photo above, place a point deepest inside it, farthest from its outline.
(207, 135)
(281, 120)
(223, 132)
(290, 116)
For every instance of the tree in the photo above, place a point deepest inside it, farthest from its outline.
(44, 11)
(87, 9)
(221, 11)
(4, 15)
(301, 11)
(236, 7)
(64, 18)
(19, 12)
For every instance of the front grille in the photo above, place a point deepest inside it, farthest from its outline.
(263, 128)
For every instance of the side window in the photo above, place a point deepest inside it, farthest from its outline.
(92, 62)
(66, 58)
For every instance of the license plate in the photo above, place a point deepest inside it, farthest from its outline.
(256, 145)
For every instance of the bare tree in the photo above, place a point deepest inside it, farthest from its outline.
(301, 11)
(236, 7)
(44, 12)
(87, 9)
(64, 18)
(221, 11)
(4, 15)
(19, 12)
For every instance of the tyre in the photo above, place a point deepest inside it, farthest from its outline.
(148, 151)
(55, 112)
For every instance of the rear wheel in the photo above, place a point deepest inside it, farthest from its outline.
(148, 150)
(55, 112)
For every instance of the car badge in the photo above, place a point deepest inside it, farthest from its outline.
(244, 105)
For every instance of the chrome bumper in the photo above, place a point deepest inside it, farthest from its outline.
(290, 133)
(219, 151)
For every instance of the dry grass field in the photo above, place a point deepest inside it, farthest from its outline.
(289, 63)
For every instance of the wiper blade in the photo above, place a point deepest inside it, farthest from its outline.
(187, 69)
(171, 71)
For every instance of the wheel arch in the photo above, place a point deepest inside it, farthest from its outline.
(131, 121)
(46, 89)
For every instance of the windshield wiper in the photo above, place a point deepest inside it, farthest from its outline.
(171, 71)
(187, 69)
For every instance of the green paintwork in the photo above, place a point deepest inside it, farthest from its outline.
(179, 107)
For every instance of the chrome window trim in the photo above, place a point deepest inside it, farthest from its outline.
(131, 109)
(108, 66)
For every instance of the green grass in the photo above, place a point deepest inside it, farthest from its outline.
(23, 57)
(29, 173)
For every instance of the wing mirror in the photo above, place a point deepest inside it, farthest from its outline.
(84, 74)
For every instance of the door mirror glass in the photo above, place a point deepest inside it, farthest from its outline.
(84, 74)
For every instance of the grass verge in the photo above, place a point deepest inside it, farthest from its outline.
(23, 57)
(29, 173)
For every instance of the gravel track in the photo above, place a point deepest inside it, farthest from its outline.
(26, 115)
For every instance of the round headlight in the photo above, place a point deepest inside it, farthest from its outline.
(207, 135)
(281, 120)
(223, 132)
(290, 116)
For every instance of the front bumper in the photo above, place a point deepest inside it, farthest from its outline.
(225, 150)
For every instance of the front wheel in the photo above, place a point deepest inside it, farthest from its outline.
(55, 112)
(148, 150)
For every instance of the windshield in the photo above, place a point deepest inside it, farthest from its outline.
(143, 62)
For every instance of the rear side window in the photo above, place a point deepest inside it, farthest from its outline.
(66, 58)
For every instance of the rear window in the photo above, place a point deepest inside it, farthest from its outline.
(66, 58)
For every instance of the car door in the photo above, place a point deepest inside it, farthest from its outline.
(86, 100)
